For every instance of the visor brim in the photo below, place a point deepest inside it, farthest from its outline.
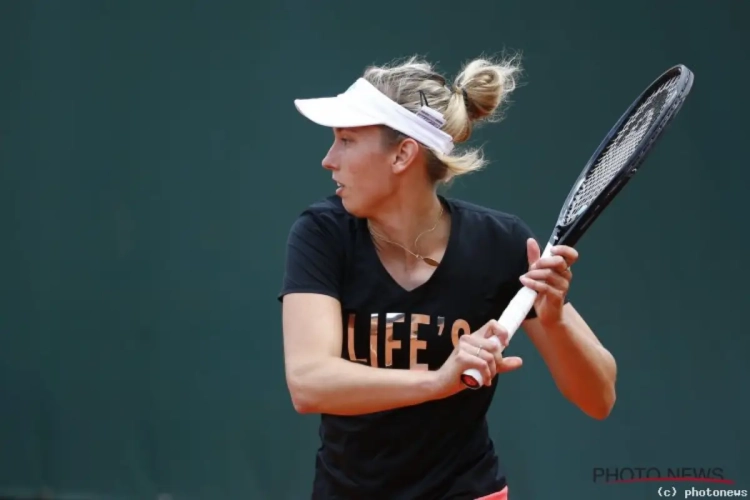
(334, 112)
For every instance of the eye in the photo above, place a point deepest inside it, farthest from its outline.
(345, 140)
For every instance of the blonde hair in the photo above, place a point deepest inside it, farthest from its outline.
(476, 96)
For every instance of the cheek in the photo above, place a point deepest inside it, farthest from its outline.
(371, 179)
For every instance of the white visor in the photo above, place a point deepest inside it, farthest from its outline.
(364, 105)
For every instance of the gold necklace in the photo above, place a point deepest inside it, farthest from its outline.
(427, 260)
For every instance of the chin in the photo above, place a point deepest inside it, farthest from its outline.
(356, 209)
(350, 207)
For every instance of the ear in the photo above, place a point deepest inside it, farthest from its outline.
(406, 153)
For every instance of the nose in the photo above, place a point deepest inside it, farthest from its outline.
(328, 164)
(328, 161)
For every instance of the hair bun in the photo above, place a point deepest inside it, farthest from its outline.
(486, 84)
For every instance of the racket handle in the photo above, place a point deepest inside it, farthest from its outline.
(510, 320)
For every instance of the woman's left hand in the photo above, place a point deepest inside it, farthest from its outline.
(550, 277)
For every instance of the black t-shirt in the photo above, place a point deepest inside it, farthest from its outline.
(441, 449)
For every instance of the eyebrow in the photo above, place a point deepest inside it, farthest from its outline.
(348, 130)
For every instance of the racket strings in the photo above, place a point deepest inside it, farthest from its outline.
(619, 150)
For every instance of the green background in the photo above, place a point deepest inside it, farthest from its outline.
(152, 161)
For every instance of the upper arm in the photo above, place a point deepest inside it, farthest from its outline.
(311, 329)
(311, 309)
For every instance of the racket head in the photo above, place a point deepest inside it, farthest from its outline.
(619, 156)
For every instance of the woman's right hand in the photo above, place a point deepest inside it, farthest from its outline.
(477, 350)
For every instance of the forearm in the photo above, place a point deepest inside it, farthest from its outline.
(340, 387)
(584, 371)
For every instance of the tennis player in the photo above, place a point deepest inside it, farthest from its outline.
(391, 291)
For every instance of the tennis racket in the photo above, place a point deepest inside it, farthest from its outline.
(613, 164)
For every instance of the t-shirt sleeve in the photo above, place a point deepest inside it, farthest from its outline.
(314, 256)
(522, 232)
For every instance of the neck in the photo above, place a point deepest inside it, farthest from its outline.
(404, 218)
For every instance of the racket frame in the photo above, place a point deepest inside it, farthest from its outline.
(570, 234)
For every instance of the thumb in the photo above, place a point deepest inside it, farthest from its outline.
(509, 364)
(533, 252)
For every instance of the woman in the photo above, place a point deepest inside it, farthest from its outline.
(391, 291)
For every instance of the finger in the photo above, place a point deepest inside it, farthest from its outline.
(478, 346)
(490, 361)
(570, 254)
(499, 333)
(473, 345)
(491, 337)
(542, 288)
(550, 273)
(467, 360)
(553, 262)
(483, 354)
(553, 277)
(509, 364)
(475, 338)
(532, 251)
(489, 330)
(499, 337)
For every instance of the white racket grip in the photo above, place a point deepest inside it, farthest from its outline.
(513, 315)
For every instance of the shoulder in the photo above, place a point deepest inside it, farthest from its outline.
(326, 218)
(316, 249)
(490, 222)
(329, 208)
